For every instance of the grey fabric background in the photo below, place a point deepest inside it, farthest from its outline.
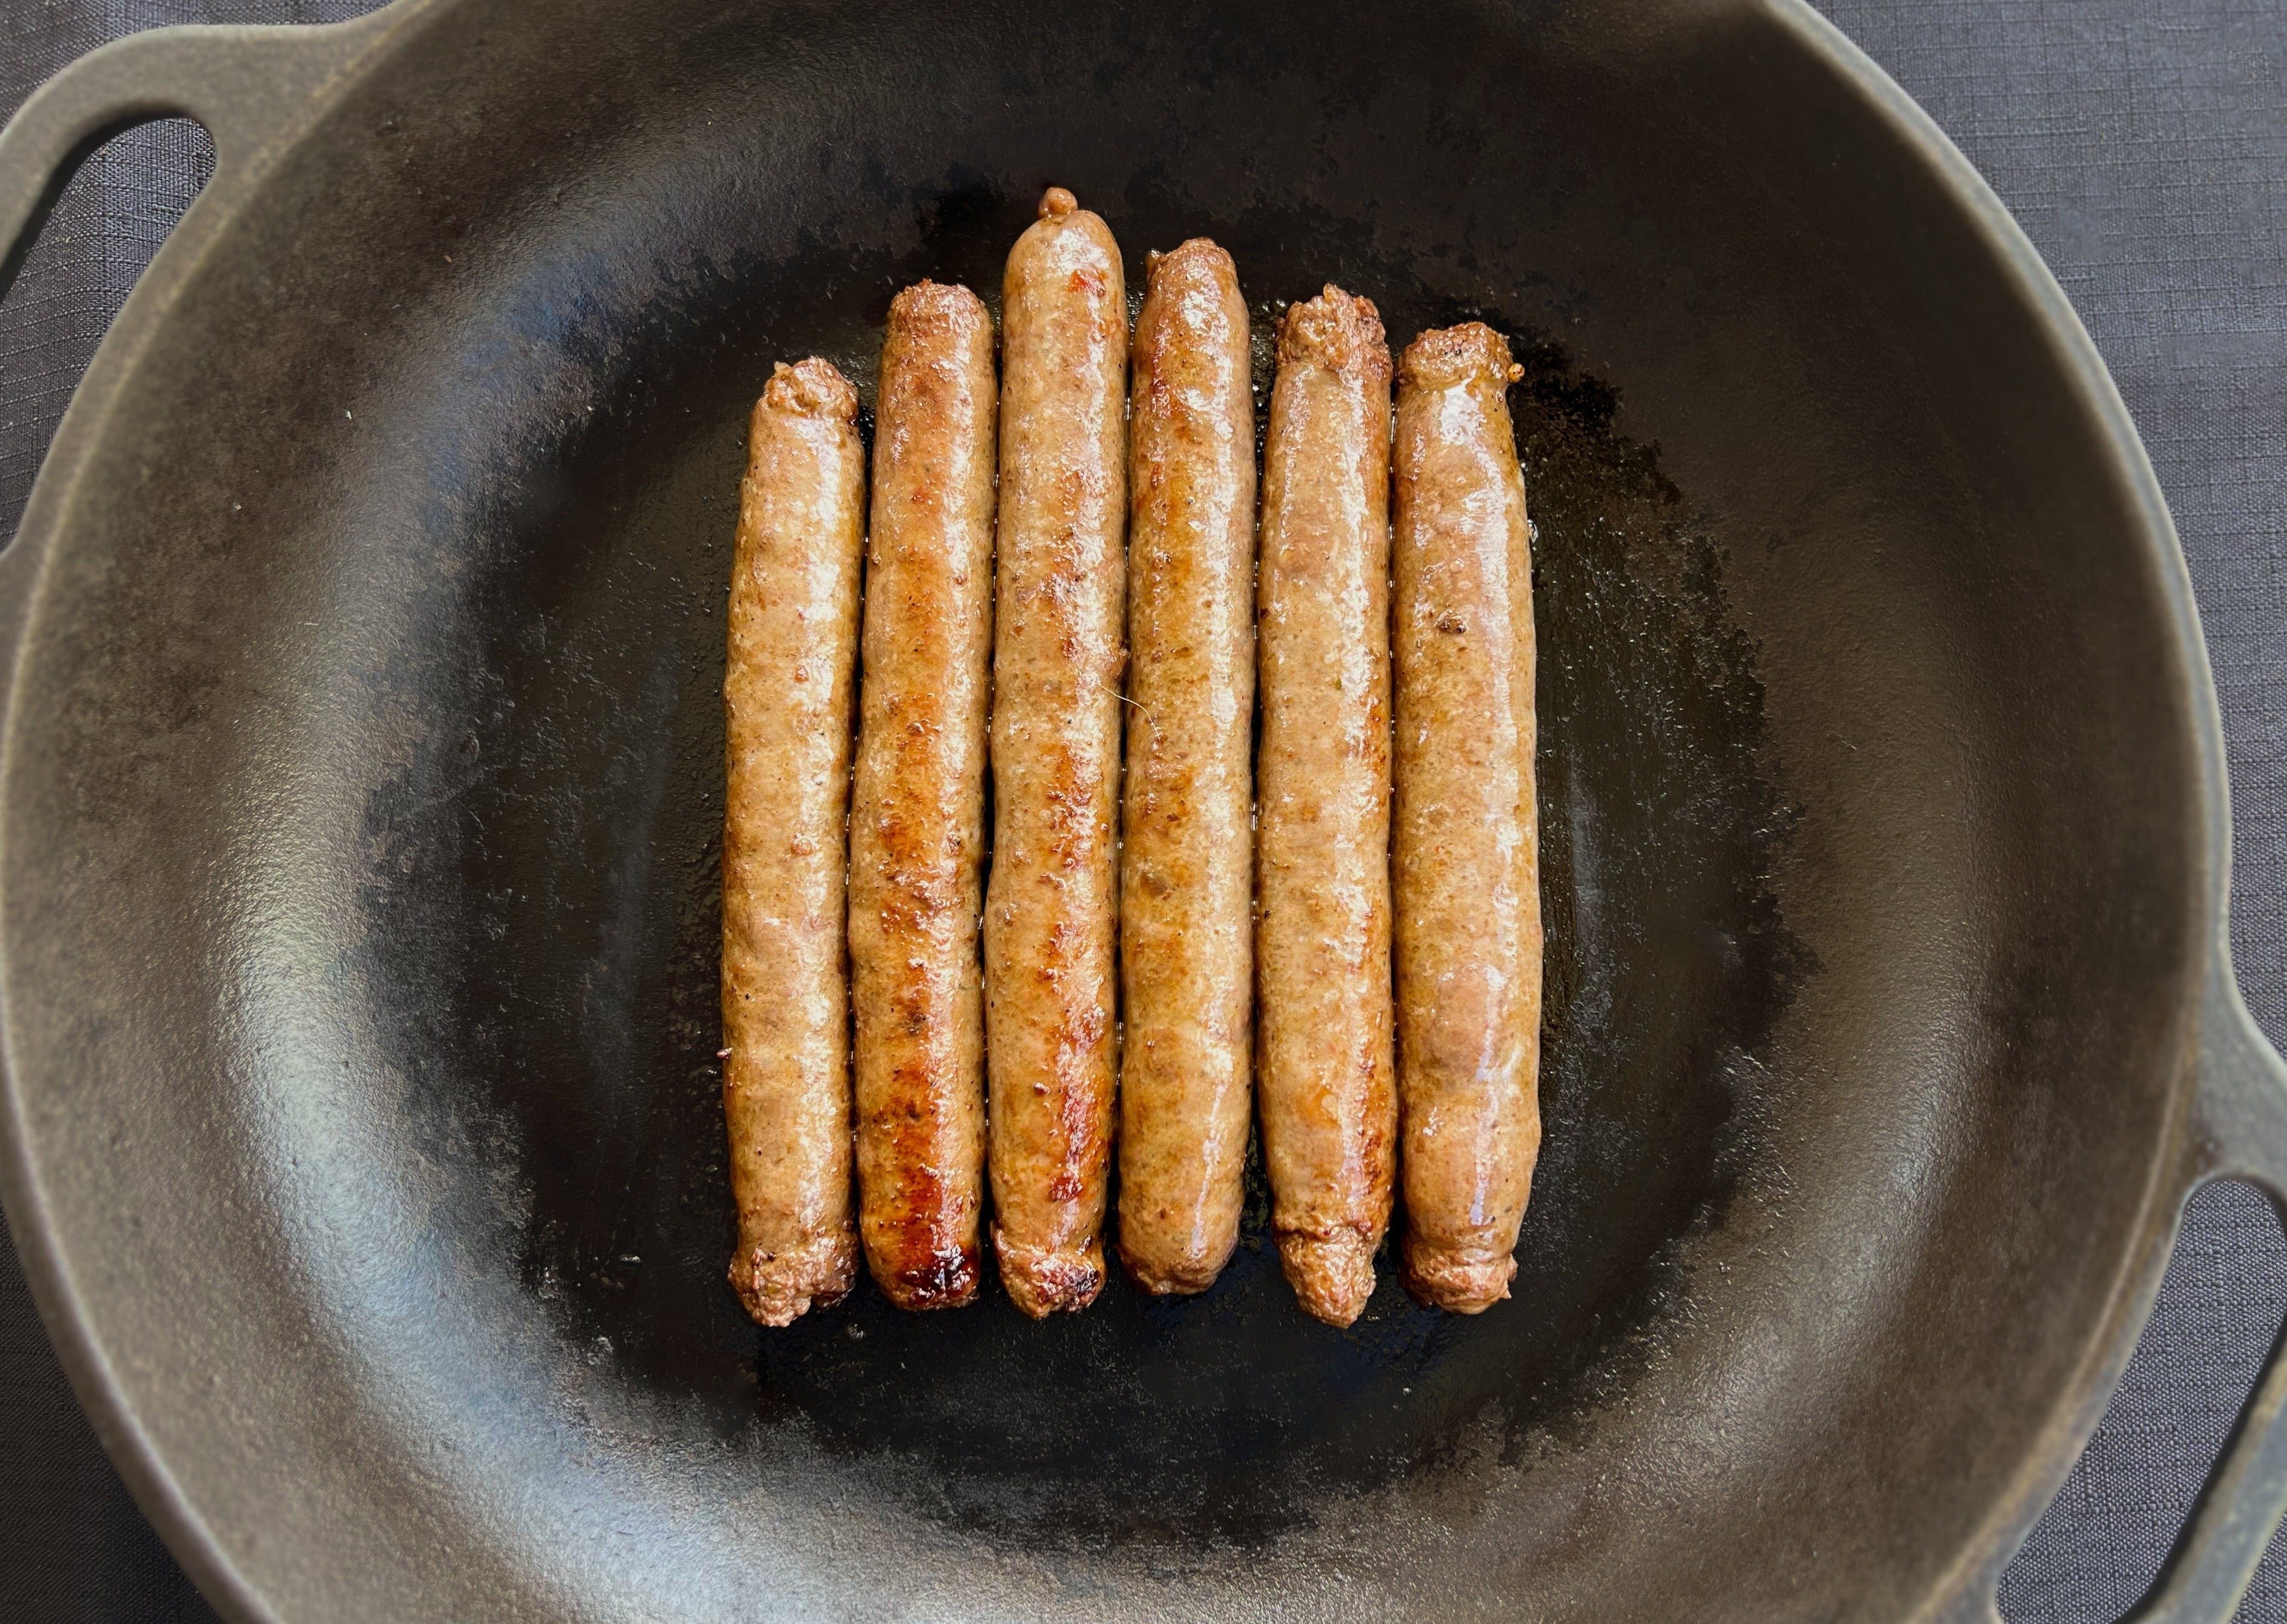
(2142, 144)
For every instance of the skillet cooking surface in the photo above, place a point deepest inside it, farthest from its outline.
(385, 659)
(593, 1043)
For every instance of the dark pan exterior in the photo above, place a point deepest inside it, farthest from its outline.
(361, 774)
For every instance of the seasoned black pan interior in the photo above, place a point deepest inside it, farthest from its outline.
(385, 674)
(1204, 1418)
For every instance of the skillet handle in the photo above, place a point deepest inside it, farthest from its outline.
(248, 86)
(2243, 1121)
(254, 89)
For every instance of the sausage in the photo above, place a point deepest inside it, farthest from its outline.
(917, 815)
(1187, 860)
(786, 692)
(1466, 840)
(1051, 907)
(1329, 1111)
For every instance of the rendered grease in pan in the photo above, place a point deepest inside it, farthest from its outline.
(588, 838)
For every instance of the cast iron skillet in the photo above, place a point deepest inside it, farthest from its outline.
(358, 812)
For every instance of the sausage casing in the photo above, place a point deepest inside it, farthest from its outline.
(1328, 1108)
(1466, 838)
(1050, 908)
(1187, 858)
(917, 823)
(787, 697)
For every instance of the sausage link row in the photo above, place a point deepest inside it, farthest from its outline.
(1350, 874)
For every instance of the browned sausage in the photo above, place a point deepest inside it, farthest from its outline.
(1466, 840)
(917, 816)
(1186, 874)
(1329, 1113)
(786, 1034)
(1049, 919)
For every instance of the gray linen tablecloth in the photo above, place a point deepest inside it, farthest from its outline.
(2142, 144)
